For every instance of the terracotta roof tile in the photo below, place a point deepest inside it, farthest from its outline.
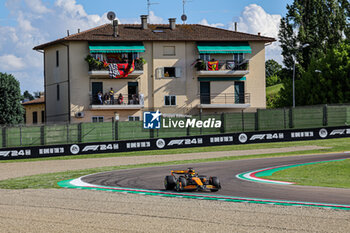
(159, 32)
(40, 100)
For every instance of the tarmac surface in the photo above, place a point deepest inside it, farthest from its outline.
(152, 178)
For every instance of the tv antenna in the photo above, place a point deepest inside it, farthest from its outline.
(184, 16)
(149, 4)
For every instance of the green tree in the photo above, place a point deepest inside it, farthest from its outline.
(327, 79)
(27, 95)
(322, 24)
(319, 23)
(272, 72)
(11, 110)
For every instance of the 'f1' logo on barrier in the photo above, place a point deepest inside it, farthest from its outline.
(151, 120)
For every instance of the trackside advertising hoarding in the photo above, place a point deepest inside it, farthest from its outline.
(175, 142)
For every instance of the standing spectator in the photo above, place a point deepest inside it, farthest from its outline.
(120, 99)
(111, 96)
(99, 95)
(106, 98)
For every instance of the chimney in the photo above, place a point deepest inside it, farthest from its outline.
(78, 30)
(67, 32)
(144, 24)
(235, 26)
(115, 28)
(172, 24)
(259, 33)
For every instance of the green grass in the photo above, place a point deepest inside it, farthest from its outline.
(272, 90)
(336, 145)
(50, 180)
(334, 174)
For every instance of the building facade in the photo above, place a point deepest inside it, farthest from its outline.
(34, 111)
(176, 69)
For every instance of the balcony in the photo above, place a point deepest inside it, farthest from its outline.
(223, 100)
(127, 102)
(224, 68)
(98, 70)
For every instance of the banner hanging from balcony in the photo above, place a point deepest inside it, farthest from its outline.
(223, 47)
(121, 70)
(116, 47)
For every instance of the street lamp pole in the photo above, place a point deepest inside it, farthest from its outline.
(294, 59)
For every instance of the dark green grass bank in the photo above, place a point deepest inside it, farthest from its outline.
(334, 174)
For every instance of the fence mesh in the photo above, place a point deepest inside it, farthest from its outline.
(267, 119)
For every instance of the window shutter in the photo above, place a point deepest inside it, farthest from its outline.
(178, 72)
(160, 72)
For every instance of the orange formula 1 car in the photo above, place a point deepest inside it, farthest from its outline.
(188, 180)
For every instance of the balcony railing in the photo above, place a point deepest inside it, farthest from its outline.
(225, 100)
(99, 65)
(127, 101)
(224, 67)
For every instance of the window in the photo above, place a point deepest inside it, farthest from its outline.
(204, 57)
(238, 57)
(98, 56)
(169, 72)
(58, 91)
(43, 116)
(170, 100)
(57, 58)
(169, 51)
(97, 119)
(134, 118)
(35, 117)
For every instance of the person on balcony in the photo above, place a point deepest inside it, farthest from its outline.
(106, 98)
(99, 96)
(120, 99)
(111, 96)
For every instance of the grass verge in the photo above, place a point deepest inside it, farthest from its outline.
(50, 180)
(335, 145)
(334, 174)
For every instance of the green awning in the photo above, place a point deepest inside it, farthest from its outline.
(223, 47)
(116, 47)
(207, 79)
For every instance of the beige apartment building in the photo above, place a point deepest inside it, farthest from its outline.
(176, 69)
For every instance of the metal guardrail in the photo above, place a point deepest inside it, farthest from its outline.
(225, 98)
(225, 65)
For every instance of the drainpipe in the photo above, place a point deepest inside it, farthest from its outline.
(68, 68)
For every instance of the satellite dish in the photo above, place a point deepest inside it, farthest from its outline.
(111, 15)
(183, 17)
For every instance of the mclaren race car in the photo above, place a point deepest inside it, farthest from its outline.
(189, 180)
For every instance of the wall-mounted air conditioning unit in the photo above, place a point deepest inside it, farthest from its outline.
(79, 114)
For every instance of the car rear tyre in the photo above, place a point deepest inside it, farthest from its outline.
(169, 182)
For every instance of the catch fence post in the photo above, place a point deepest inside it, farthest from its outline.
(4, 136)
(325, 112)
(257, 120)
(116, 130)
(42, 135)
(187, 128)
(20, 135)
(222, 128)
(242, 120)
(291, 120)
(284, 118)
(79, 132)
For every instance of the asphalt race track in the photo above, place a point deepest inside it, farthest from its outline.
(152, 178)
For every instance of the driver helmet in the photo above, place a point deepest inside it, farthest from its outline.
(191, 171)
